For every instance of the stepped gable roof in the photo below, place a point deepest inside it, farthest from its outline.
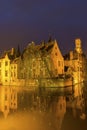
(42, 48)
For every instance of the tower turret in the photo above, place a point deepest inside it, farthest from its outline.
(78, 46)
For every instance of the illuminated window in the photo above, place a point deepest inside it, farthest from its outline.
(6, 63)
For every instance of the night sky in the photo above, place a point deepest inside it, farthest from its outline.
(23, 21)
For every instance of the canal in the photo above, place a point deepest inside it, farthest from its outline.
(44, 108)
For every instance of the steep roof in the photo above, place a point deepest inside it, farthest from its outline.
(43, 48)
(47, 47)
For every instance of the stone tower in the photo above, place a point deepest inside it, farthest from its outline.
(78, 46)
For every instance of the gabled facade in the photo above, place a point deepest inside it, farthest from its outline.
(14, 71)
(5, 70)
(6, 67)
(57, 59)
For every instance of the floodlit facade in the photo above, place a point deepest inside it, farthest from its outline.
(75, 63)
(40, 62)
(5, 70)
(8, 67)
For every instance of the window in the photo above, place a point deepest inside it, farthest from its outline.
(6, 63)
(0, 64)
(56, 53)
(58, 63)
(6, 80)
(0, 72)
(14, 97)
(14, 67)
(62, 63)
(5, 107)
(6, 73)
(5, 97)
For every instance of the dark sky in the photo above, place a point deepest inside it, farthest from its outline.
(23, 21)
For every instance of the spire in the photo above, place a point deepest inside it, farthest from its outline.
(18, 52)
(50, 38)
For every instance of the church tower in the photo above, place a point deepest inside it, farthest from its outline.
(78, 46)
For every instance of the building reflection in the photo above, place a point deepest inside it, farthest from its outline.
(58, 109)
(54, 105)
(8, 100)
(76, 102)
(51, 104)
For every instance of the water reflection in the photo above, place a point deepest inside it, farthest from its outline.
(44, 109)
(8, 100)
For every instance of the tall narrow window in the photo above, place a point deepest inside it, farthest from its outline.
(58, 63)
(5, 97)
(6, 73)
(0, 64)
(6, 63)
(0, 72)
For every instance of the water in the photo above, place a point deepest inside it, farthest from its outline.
(43, 109)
